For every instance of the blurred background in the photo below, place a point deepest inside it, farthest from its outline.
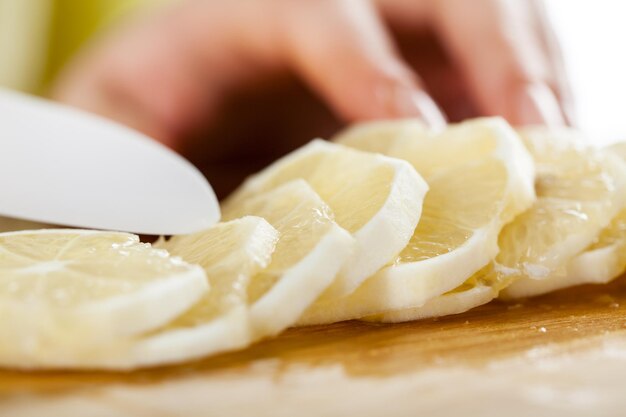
(39, 37)
(592, 34)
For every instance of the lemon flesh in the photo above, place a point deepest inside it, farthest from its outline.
(375, 198)
(230, 253)
(580, 190)
(70, 290)
(472, 194)
(237, 249)
(309, 254)
(602, 261)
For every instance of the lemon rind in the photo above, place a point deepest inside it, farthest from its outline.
(443, 305)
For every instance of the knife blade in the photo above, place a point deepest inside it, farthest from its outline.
(65, 166)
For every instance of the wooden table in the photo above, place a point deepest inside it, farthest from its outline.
(562, 354)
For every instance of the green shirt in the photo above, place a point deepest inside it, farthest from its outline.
(38, 37)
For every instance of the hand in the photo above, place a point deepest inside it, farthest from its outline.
(178, 69)
(505, 52)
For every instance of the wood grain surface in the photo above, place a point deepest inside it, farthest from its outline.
(561, 354)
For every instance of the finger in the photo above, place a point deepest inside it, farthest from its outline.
(552, 50)
(89, 89)
(500, 54)
(342, 49)
(143, 78)
(406, 15)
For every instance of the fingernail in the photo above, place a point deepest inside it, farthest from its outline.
(537, 104)
(569, 110)
(410, 102)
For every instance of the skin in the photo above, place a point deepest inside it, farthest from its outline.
(196, 74)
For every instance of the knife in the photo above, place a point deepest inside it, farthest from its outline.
(64, 166)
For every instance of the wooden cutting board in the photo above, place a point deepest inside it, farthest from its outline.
(561, 354)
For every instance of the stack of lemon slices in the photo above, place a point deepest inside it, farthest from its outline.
(391, 221)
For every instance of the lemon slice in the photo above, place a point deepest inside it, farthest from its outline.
(252, 296)
(473, 193)
(230, 253)
(77, 288)
(309, 254)
(481, 288)
(580, 189)
(397, 138)
(577, 187)
(601, 262)
(606, 258)
(375, 198)
(463, 298)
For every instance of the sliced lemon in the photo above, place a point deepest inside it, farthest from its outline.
(397, 139)
(580, 189)
(601, 262)
(481, 288)
(577, 187)
(309, 254)
(472, 194)
(471, 294)
(619, 149)
(251, 297)
(66, 289)
(230, 253)
(376, 198)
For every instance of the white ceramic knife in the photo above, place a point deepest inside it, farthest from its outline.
(64, 166)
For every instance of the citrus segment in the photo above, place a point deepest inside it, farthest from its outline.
(580, 190)
(472, 195)
(309, 254)
(375, 198)
(69, 290)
